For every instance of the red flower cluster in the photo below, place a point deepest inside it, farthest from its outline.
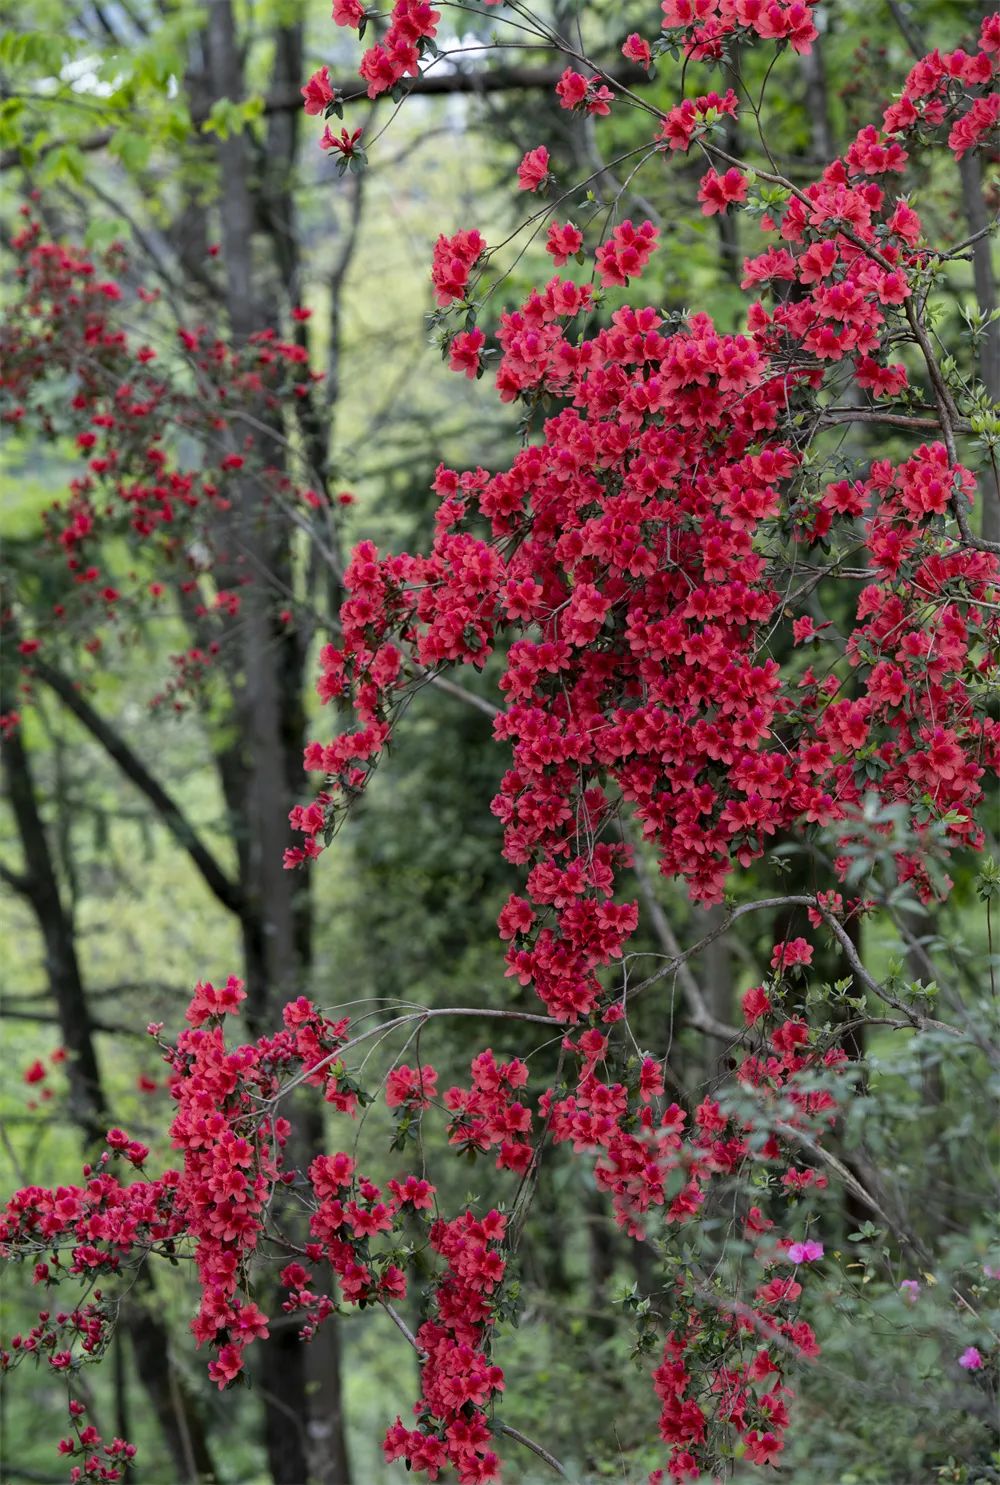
(627, 254)
(488, 1116)
(66, 319)
(349, 1214)
(628, 562)
(454, 259)
(410, 1087)
(350, 1211)
(630, 565)
(693, 116)
(412, 24)
(457, 1378)
(97, 1460)
(718, 192)
(705, 24)
(955, 89)
(533, 171)
(582, 94)
(563, 241)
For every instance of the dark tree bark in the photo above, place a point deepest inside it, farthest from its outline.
(176, 1411)
(40, 887)
(263, 776)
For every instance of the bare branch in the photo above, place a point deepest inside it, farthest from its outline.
(169, 811)
(516, 79)
(15, 880)
(484, 1012)
(699, 1013)
(522, 1438)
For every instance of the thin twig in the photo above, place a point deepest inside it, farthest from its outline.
(699, 1014)
(404, 1329)
(522, 1438)
(424, 1015)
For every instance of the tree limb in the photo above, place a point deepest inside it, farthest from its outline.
(16, 881)
(169, 811)
(516, 79)
(698, 1012)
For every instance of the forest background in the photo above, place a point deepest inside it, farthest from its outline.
(144, 816)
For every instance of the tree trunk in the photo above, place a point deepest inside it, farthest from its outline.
(817, 103)
(41, 888)
(264, 777)
(728, 221)
(176, 1411)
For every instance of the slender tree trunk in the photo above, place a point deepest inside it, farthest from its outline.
(41, 888)
(304, 1428)
(936, 1212)
(123, 1414)
(728, 221)
(817, 103)
(601, 1245)
(854, 1044)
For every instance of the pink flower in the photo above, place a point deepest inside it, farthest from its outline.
(454, 259)
(317, 91)
(516, 916)
(650, 1079)
(348, 13)
(717, 192)
(571, 89)
(563, 241)
(576, 91)
(791, 951)
(533, 170)
(228, 1366)
(407, 1085)
(637, 50)
(208, 1001)
(343, 143)
(464, 352)
(627, 253)
(756, 1003)
(805, 1252)
(910, 1288)
(970, 1359)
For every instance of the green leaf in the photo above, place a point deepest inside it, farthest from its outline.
(103, 231)
(132, 149)
(63, 163)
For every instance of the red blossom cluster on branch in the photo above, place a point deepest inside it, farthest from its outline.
(630, 562)
(701, 26)
(97, 1460)
(129, 404)
(233, 1142)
